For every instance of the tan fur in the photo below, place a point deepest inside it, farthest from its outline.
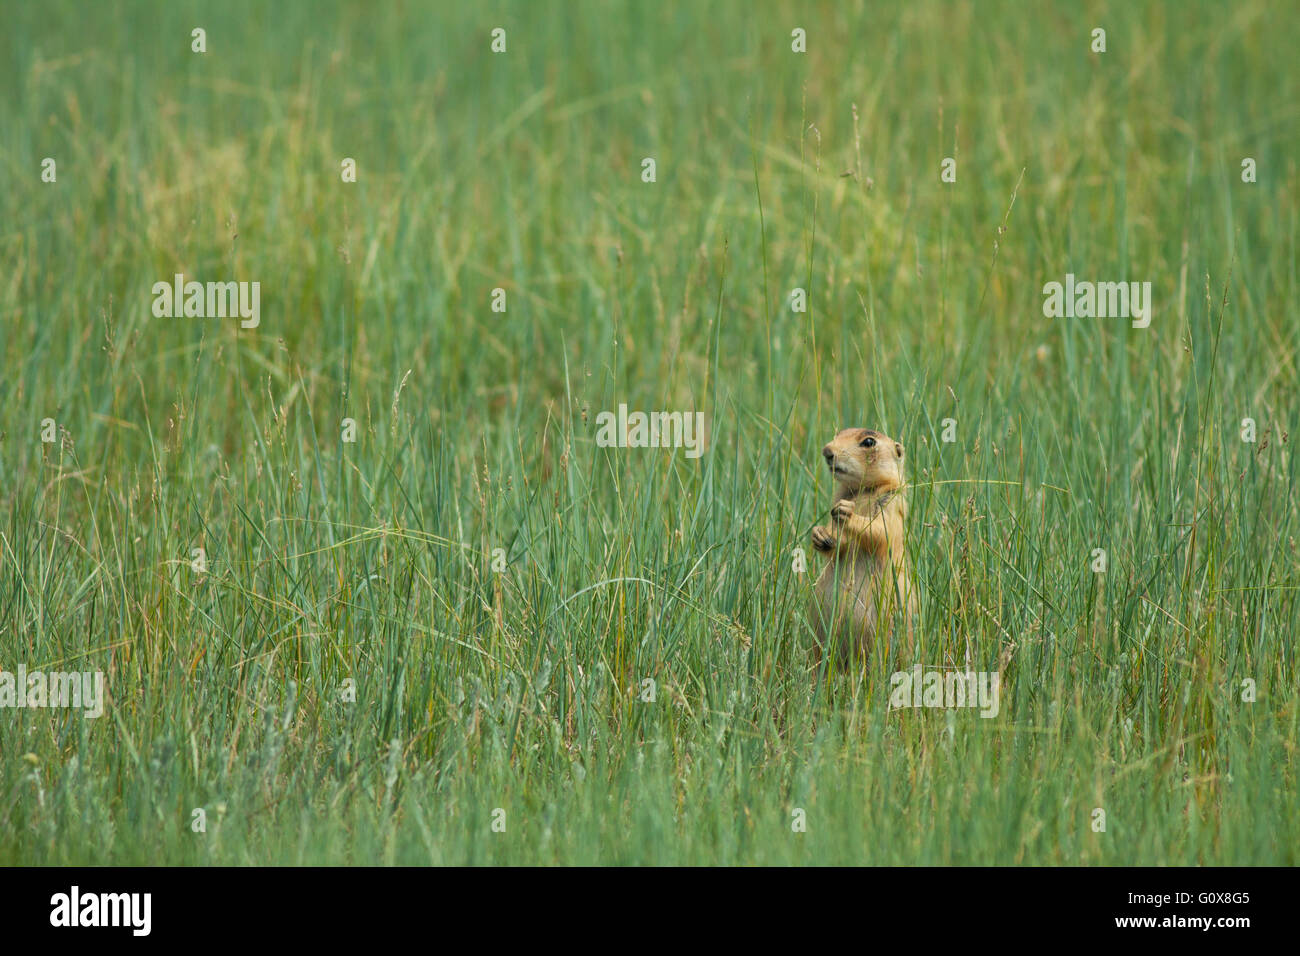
(867, 578)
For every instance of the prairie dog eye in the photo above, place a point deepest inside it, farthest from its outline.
(868, 442)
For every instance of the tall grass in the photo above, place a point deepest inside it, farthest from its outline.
(520, 690)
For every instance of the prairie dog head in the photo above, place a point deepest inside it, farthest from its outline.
(863, 460)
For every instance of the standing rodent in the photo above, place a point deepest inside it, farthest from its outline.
(867, 579)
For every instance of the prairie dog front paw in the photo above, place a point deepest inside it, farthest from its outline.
(823, 539)
(842, 511)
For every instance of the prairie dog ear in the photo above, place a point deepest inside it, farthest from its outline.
(898, 449)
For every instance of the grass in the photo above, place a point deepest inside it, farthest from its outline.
(478, 689)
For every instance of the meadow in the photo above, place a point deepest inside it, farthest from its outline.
(427, 602)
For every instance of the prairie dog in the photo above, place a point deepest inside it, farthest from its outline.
(867, 578)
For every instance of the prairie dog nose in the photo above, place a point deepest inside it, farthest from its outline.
(828, 454)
